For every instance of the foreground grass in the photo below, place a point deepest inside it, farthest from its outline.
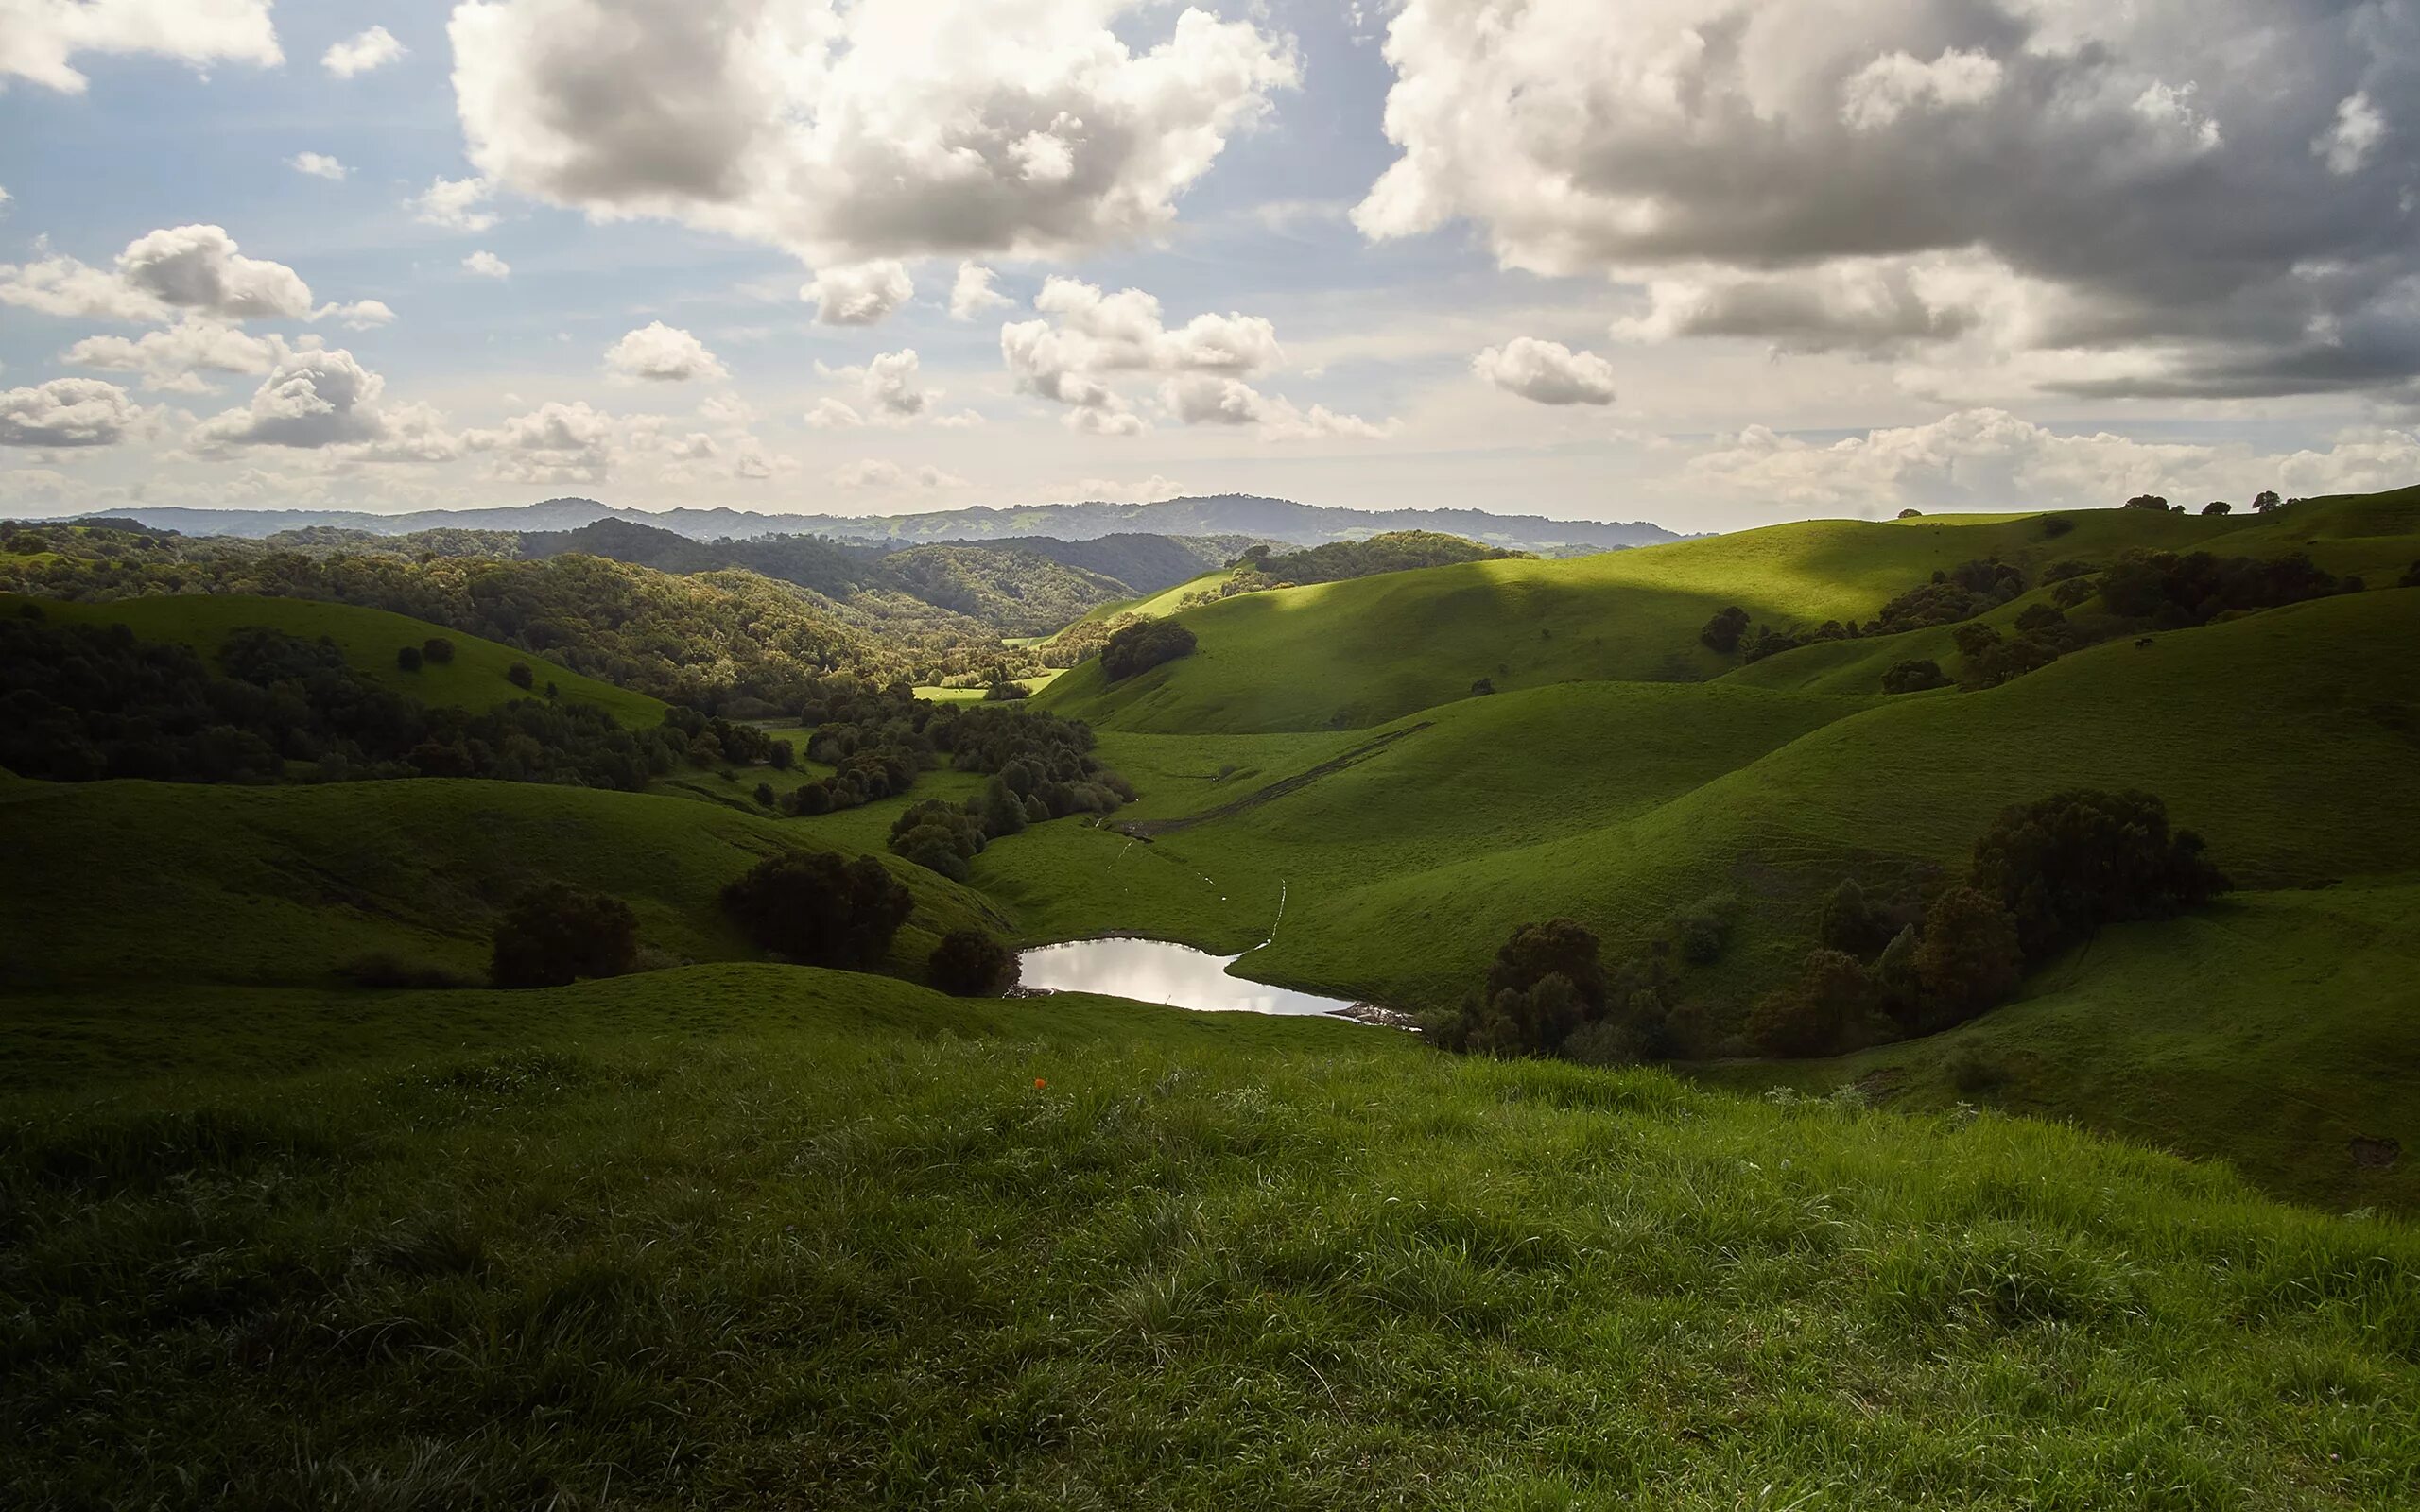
(761, 1236)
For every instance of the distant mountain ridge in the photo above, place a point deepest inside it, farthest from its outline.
(1225, 514)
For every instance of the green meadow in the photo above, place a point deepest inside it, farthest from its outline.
(732, 1231)
(793, 1238)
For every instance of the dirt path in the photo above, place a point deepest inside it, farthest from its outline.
(1149, 828)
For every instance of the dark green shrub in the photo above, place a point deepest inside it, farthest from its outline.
(1849, 923)
(556, 934)
(1560, 946)
(1703, 929)
(816, 909)
(1721, 633)
(409, 658)
(969, 963)
(520, 676)
(1004, 692)
(1967, 962)
(438, 651)
(1915, 677)
(1144, 646)
(1819, 1014)
(1970, 1071)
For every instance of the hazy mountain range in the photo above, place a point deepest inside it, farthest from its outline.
(1226, 514)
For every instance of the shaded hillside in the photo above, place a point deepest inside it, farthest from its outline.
(475, 678)
(290, 885)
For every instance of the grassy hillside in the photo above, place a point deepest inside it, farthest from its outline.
(1357, 654)
(753, 1233)
(369, 638)
(144, 882)
(2277, 1031)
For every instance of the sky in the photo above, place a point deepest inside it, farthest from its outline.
(1710, 263)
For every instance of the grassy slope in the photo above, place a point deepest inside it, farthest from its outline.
(791, 1238)
(369, 638)
(2276, 1031)
(1484, 775)
(2276, 736)
(124, 881)
(1619, 802)
(1364, 652)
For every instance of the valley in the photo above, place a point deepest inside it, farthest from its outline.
(264, 1026)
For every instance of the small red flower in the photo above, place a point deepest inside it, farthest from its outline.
(1039, 1084)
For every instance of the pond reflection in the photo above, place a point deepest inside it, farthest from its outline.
(1151, 970)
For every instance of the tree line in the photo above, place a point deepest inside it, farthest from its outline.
(2041, 879)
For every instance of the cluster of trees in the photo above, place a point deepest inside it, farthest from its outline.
(2262, 504)
(2044, 877)
(77, 704)
(554, 934)
(1141, 645)
(2175, 592)
(944, 836)
(813, 908)
(878, 739)
(1549, 992)
(1952, 597)
(2154, 589)
(730, 643)
(1393, 551)
(816, 909)
(436, 651)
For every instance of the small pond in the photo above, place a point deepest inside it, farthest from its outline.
(1151, 970)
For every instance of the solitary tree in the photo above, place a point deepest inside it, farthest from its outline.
(554, 934)
(438, 649)
(520, 676)
(2218, 506)
(2266, 501)
(409, 658)
(819, 910)
(969, 963)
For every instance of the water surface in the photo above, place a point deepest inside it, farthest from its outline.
(1151, 970)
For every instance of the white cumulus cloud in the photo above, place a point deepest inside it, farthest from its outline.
(663, 354)
(40, 39)
(371, 49)
(858, 293)
(1091, 341)
(1546, 371)
(317, 165)
(455, 204)
(849, 133)
(66, 412)
(175, 359)
(971, 293)
(487, 265)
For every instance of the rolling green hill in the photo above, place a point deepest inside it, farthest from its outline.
(125, 882)
(1358, 654)
(474, 679)
(751, 1233)
(2277, 1031)
(1406, 854)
